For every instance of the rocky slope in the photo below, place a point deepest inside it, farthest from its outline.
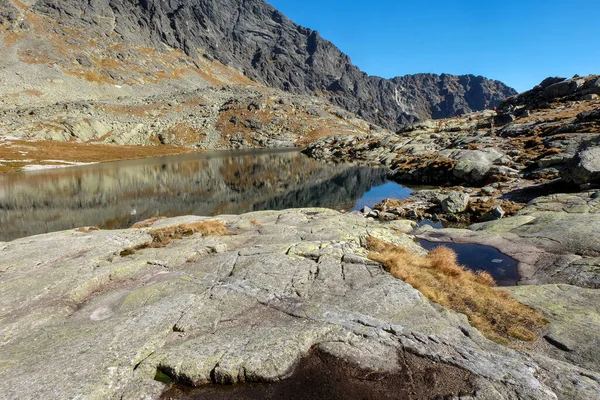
(549, 132)
(247, 307)
(73, 50)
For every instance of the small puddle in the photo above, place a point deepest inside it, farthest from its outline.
(478, 257)
(433, 224)
(323, 377)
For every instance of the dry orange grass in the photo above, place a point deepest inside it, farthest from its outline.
(164, 236)
(87, 229)
(322, 132)
(42, 150)
(439, 277)
(147, 223)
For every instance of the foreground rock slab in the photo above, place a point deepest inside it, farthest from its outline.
(81, 321)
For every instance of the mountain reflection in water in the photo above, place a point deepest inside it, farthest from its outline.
(116, 195)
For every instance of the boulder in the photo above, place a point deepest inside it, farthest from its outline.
(86, 129)
(455, 202)
(592, 115)
(562, 89)
(472, 166)
(494, 214)
(584, 168)
(503, 119)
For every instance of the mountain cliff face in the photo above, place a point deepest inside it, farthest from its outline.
(257, 40)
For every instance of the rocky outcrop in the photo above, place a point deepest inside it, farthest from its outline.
(552, 90)
(558, 140)
(207, 118)
(554, 238)
(245, 307)
(453, 151)
(584, 168)
(259, 41)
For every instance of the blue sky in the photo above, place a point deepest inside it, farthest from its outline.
(517, 42)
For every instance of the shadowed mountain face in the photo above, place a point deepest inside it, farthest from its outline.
(254, 38)
(116, 195)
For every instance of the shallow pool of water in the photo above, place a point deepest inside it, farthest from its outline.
(477, 257)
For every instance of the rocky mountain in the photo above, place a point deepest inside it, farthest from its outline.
(102, 40)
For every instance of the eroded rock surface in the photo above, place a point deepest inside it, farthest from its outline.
(574, 315)
(79, 320)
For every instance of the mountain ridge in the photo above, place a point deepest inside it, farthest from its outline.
(262, 43)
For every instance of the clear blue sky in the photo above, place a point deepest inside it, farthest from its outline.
(518, 42)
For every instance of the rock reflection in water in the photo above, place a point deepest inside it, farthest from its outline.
(116, 195)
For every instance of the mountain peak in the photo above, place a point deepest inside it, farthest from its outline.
(257, 40)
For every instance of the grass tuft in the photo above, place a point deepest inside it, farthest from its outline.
(87, 229)
(146, 223)
(494, 312)
(162, 237)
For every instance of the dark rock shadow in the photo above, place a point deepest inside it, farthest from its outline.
(322, 376)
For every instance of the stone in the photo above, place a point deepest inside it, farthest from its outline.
(585, 166)
(503, 119)
(472, 166)
(574, 315)
(494, 214)
(86, 129)
(299, 283)
(455, 202)
(592, 115)
(488, 190)
(561, 89)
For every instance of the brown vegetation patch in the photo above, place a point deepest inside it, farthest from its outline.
(439, 278)
(162, 237)
(560, 111)
(183, 134)
(87, 229)
(35, 56)
(146, 223)
(31, 92)
(480, 207)
(37, 152)
(322, 132)
(147, 110)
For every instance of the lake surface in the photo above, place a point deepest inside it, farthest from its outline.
(477, 257)
(118, 194)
